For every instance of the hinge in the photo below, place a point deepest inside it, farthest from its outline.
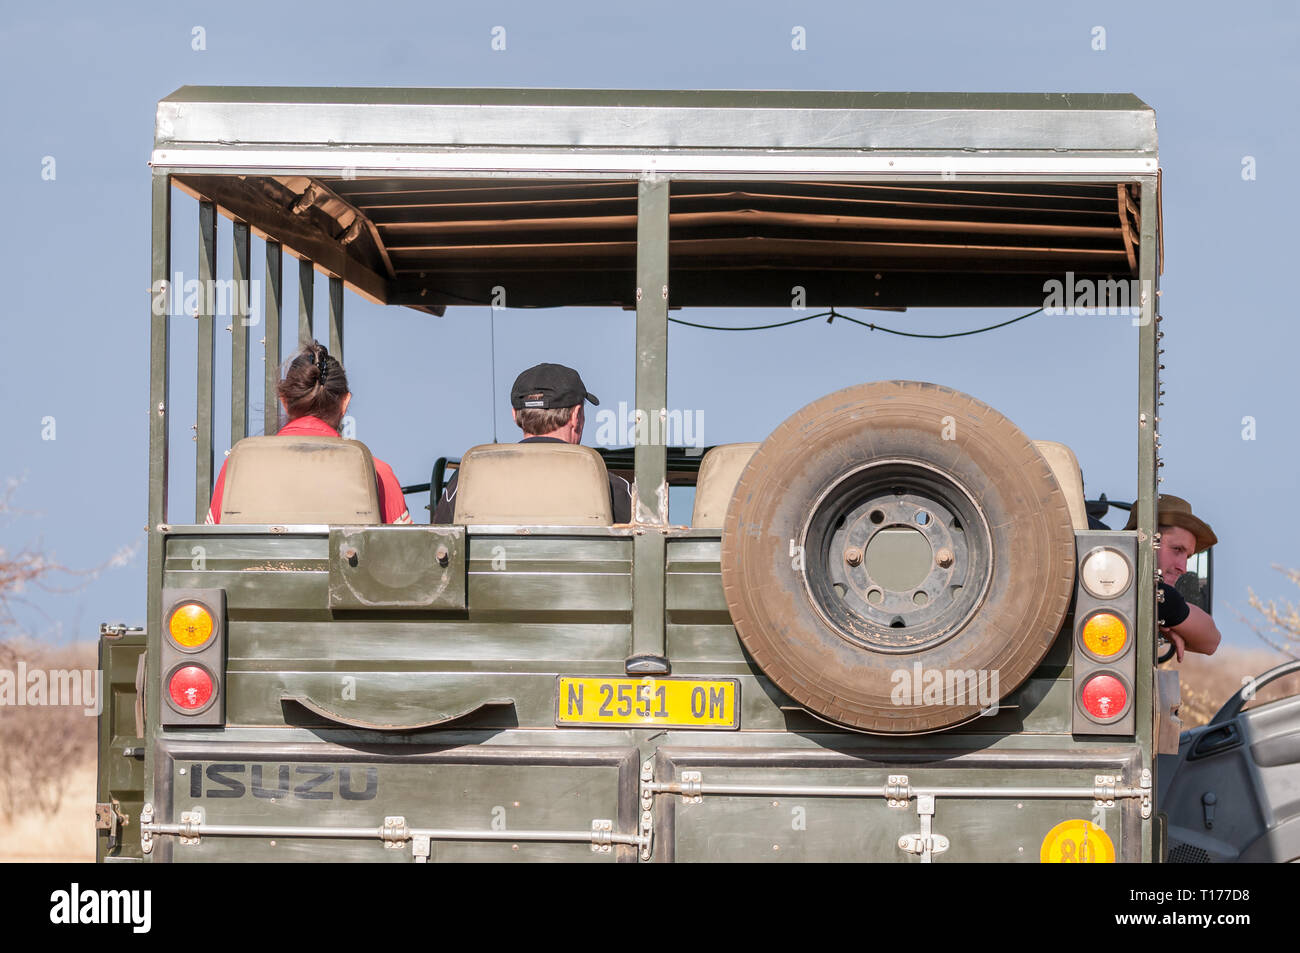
(115, 630)
(647, 825)
(926, 843)
(146, 835)
(1144, 782)
(109, 817)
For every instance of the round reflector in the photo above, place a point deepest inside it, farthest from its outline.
(1104, 697)
(190, 687)
(190, 625)
(1105, 634)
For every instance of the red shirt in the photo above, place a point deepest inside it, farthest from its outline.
(392, 504)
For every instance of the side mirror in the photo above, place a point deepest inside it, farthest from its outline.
(1196, 585)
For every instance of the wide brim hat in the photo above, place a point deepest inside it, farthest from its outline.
(1175, 511)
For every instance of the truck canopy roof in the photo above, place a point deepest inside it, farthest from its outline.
(431, 197)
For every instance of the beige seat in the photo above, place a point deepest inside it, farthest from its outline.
(300, 480)
(1065, 467)
(719, 472)
(533, 484)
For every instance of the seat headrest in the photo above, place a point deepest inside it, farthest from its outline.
(1065, 467)
(719, 471)
(533, 484)
(300, 480)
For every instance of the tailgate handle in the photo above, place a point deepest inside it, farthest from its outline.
(440, 718)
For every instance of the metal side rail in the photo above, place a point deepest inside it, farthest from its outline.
(898, 791)
(393, 833)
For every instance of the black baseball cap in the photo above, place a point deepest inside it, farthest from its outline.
(549, 385)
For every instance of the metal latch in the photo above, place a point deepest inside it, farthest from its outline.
(898, 790)
(1103, 791)
(602, 836)
(191, 824)
(115, 630)
(927, 843)
(421, 848)
(394, 833)
(692, 787)
(109, 817)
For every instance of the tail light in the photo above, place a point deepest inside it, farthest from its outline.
(191, 688)
(190, 625)
(1104, 697)
(193, 657)
(1104, 634)
(1104, 659)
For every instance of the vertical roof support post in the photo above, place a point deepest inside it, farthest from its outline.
(240, 309)
(650, 452)
(205, 379)
(306, 300)
(336, 318)
(274, 311)
(1148, 323)
(159, 390)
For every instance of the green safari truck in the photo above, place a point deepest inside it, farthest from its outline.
(888, 632)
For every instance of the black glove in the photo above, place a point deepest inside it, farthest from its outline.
(1173, 609)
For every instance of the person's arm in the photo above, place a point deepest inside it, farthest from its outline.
(214, 508)
(392, 504)
(1189, 627)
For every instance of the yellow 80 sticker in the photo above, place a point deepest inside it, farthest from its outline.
(1077, 842)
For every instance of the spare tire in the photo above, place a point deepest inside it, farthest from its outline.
(889, 532)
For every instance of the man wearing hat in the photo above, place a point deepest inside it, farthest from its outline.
(1182, 534)
(547, 404)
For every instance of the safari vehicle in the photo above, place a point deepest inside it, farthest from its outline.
(888, 634)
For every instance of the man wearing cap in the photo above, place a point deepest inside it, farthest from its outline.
(547, 404)
(1182, 534)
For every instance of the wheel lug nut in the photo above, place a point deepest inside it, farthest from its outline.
(944, 557)
(853, 556)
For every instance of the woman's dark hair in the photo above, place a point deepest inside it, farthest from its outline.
(314, 385)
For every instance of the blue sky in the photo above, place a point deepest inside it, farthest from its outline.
(82, 80)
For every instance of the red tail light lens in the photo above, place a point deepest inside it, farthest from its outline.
(1104, 697)
(190, 688)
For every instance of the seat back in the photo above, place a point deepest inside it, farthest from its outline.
(1065, 467)
(719, 471)
(300, 480)
(533, 484)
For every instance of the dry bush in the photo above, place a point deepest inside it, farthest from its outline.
(1281, 626)
(1210, 680)
(41, 745)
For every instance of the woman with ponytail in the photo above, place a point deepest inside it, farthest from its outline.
(315, 397)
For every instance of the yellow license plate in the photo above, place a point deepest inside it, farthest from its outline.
(657, 702)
